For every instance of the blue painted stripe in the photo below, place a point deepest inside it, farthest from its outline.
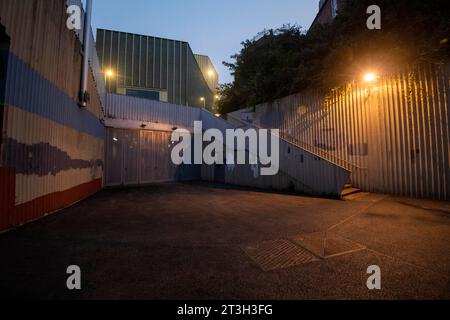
(26, 89)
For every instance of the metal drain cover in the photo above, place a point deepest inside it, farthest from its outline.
(278, 254)
(326, 245)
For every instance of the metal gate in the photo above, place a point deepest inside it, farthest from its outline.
(136, 157)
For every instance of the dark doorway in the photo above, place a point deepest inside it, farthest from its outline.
(4, 53)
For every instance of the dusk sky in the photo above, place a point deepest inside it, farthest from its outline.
(213, 28)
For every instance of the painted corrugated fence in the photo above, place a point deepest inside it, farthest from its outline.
(52, 151)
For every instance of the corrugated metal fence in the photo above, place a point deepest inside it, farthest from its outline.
(52, 151)
(393, 135)
(131, 108)
(139, 156)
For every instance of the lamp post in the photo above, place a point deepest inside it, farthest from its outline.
(216, 100)
(109, 74)
(202, 99)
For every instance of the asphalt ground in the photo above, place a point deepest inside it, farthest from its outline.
(190, 241)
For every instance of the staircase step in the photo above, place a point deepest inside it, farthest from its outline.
(348, 191)
(347, 186)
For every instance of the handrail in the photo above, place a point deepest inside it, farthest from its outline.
(349, 166)
(280, 169)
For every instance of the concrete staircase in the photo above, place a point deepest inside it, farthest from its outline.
(348, 191)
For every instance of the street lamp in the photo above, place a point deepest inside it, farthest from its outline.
(109, 74)
(202, 99)
(370, 77)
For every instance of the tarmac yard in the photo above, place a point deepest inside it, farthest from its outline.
(204, 241)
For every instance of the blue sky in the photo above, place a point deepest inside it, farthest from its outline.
(214, 28)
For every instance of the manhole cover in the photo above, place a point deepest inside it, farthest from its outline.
(278, 254)
(327, 245)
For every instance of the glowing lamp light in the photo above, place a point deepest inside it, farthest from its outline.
(370, 77)
(210, 72)
(109, 73)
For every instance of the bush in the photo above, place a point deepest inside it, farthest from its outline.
(287, 60)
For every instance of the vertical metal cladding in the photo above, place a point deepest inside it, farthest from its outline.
(4, 55)
(49, 48)
(393, 135)
(132, 108)
(299, 170)
(208, 70)
(139, 157)
(52, 151)
(143, 156)
(152, 64)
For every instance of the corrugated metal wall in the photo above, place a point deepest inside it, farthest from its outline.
(131, 108)
(52, 151)
(143, 62)
(4, 55)
(209, 71)
(40, 39)
(143, 150)
(392, 135)
(139, 157)
(299, 170)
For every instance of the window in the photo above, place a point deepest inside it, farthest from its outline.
(150, 95)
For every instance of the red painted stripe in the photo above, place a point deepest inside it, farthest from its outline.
(11, 215)
(7, 195)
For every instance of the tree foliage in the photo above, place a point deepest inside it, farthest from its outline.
(288, 60)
